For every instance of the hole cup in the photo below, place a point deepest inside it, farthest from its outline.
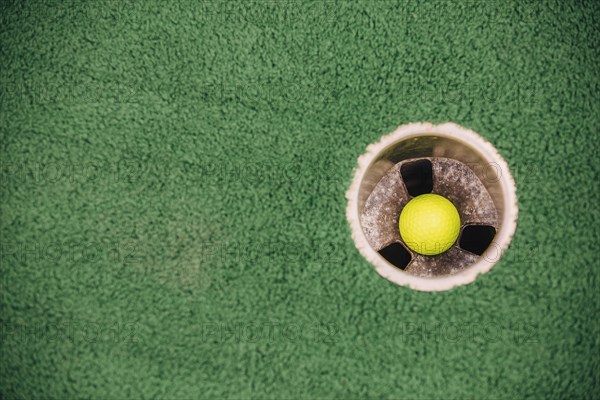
(426, 140)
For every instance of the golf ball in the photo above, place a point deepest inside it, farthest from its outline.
(429, 224)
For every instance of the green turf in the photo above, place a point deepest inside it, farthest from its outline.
(173, 212)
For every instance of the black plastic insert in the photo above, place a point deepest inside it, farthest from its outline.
(476, 238)
(418, 177)
(396, 255)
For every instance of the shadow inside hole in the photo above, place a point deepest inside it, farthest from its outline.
(476, 238)
(417, 177)
(396, 255)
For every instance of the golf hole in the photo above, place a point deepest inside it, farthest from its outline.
(443, 159)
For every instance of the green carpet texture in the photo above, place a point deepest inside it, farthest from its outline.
(172, 199)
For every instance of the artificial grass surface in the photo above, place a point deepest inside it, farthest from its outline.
(173, 212)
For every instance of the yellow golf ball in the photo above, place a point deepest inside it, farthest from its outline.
(429, 224)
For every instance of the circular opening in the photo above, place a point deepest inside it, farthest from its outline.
(412, 149)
